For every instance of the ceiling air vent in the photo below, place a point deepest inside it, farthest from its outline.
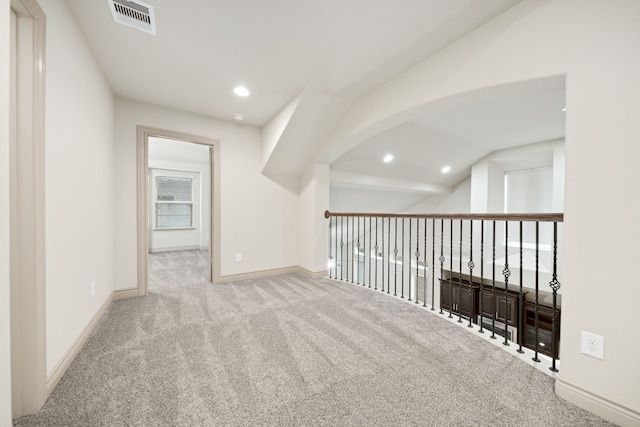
(136, 14)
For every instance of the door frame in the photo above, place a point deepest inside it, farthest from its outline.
(29, 388)
(142, 173)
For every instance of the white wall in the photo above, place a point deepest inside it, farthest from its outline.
(458, 201)
(79, 183)
(258, 216)
(313, 238)
(594, 44)
(5, 338)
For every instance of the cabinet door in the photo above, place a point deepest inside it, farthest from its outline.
(488, 308)
(447, 295)
(467, 302)
(507, 309)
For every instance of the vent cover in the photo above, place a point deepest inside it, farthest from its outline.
(136, 14)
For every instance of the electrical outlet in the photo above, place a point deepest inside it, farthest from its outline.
(93, 288)
(592, 345)
(238, 257)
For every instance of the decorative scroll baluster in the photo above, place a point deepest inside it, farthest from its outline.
(481, 273)
(535, 355)
(460, 277)
(506, 273)
(493, 284)
(395, 262)
(470, 265)
(555, 285)
(441, 259)
(375, 254)
(520, 298)
(433, 263)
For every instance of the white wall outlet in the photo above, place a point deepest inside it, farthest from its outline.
(238, 257)
(592, 345)
(93, 288)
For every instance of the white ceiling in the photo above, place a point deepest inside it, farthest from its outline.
(338, 49)
(276, 48)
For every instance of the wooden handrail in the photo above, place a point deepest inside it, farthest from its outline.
(540, 217)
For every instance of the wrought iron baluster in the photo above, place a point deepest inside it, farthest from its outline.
(409, 263)
(424, 284)
(520, 298)
(341, 246)
(417, 259)
(450, 268)
(555, 285)
(402, 257)
(388, 259)
(441, 259)
(535, 331)
(481, 274)
(369, 256)
(395, 261)
(493, 285)
(460, 276)
(358, 250)
(375, 254)
(335, 276)
(347, 250)
(330, 257)
(382, 260)
(506, 273)
(433, 263)
(470, 265)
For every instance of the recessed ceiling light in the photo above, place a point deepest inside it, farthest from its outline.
(388, 158)
(241, 91)
(445, 169)
(239, 117)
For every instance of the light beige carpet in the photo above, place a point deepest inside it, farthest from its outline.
(290, 351)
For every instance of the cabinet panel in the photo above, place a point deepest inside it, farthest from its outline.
(548, 342)
(459, 297)
(507, 309)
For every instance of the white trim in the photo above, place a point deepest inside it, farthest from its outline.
(64, 363)
(125, 293)
(179, 248)
(275, 272)
(598, 405)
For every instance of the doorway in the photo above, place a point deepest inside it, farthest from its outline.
(179, 208)
(170, 195)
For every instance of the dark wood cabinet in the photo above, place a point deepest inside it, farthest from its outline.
(459, 297)
(475, 301)
(548, 336)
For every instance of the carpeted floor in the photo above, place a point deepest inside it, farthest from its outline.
(291, 351)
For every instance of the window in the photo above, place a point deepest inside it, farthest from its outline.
(174, 202)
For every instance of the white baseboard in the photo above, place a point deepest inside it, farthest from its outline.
(177, 248)
(598, 405)
(256, 274)
(125, 293)
(63, 364)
